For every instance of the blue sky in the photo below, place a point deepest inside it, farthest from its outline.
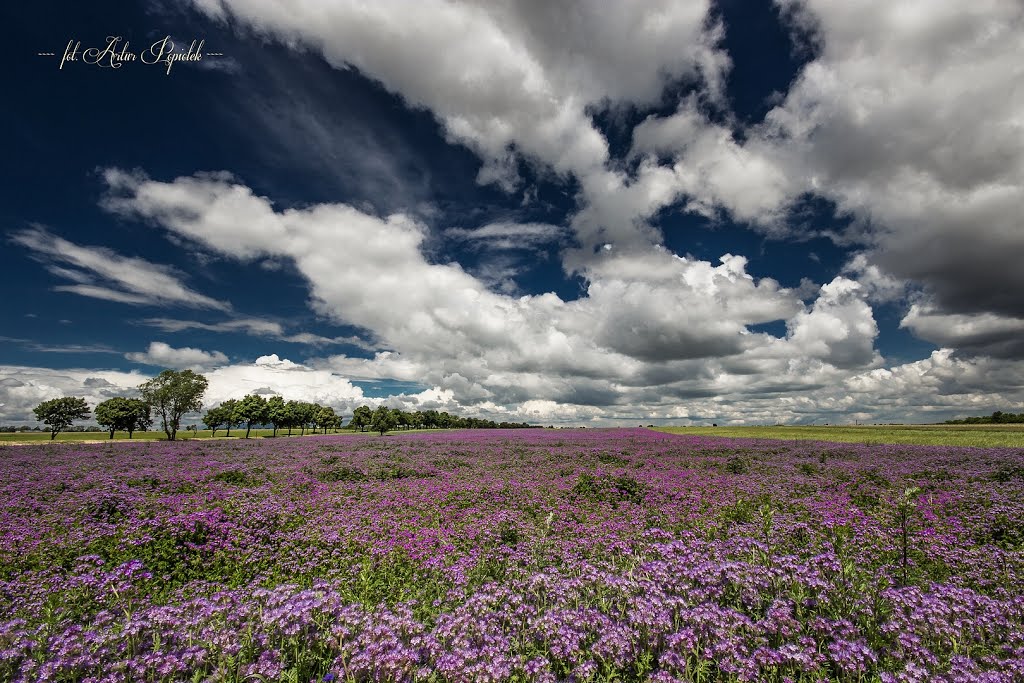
(741, 212)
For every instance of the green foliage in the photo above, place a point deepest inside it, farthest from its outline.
(335, 471)
(361, 418)
(606, 458)
(807, 468)
(228, 407)
(59, 413)
(608, 488)
(277, 412)
(239, 477)
(123, 414)
(743, 511)
(736, 464)
(998, 417)
(383, 420)
(215, 418)
(325, 418)
(1008, 472)
(249, 411)
(173, 393)
(299, 414)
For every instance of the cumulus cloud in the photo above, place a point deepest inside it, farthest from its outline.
(909, 120)
(519, 80)
(507, 75)
(975, 334)
(101, 273)
(652, 328)
(866, 125)
(162, 354)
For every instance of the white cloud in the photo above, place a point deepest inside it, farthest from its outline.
(510, 74)
(507, 235)
(162, 354)
(979, 333)
(867, 125)
(256, 327)
(653, 328)
(517, 80)
(909, 119)
(103, 274)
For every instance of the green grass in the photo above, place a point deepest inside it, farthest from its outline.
(1011, 435)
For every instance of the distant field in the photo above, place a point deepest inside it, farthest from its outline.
(985, 435)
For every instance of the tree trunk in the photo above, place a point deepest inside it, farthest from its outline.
(53, 435)
(111, 433)
(130, 431)
(275, 430)
(229, 430)
(248, 428)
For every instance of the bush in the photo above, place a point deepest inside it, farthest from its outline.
(736, 465)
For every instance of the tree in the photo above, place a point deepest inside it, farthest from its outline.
(277, 412)
(173, 393)
(292, 415)
(123, 414)
(215, 418)
(325, 418)
(137, 416)
(304, 414)
(383, 420)
(251, 410)
(228, 407)
(361, 418)
(59, 413)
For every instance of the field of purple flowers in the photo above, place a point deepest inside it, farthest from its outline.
(532, 555)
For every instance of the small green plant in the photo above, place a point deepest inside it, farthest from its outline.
(737, 465)
(238, 477)
(338, 472)
(606, 458)
(609, 489)
(904, 514)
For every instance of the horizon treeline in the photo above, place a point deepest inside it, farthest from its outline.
(174, 393)
(998, 417)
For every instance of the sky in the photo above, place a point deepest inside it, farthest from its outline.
(573, 213)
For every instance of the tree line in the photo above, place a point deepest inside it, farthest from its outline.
(998, 417)
(173, 393)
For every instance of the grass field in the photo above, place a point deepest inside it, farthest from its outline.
(988, 435)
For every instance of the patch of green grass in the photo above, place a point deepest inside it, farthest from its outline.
(924, 435)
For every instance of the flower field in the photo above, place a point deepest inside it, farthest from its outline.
(547, 555)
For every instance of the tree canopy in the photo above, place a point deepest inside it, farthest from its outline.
(59, 413)
(383, 420)
(251, 410)
(123, 414)
(173, 393)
